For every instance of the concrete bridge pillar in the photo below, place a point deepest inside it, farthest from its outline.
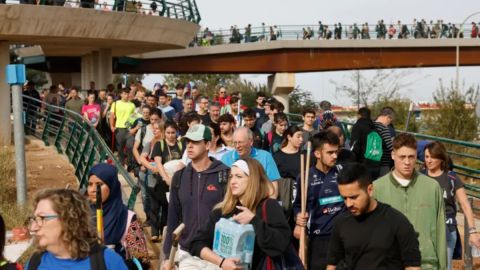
(87, 70)
(105, 70)
(5, 107)
(97, 67)
(281, 85)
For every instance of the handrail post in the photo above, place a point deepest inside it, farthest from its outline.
(45, 129)
(58, 137)
(468, 249)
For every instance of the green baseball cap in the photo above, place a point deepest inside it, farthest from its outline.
(199, 132)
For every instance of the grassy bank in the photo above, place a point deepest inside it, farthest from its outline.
(11, 213)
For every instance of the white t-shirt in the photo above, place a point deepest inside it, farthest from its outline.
(403, 182)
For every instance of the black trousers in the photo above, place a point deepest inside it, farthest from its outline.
(317, 252)
(158, 206)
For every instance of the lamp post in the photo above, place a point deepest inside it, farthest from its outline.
(457, 78)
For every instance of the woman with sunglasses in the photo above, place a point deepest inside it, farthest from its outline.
(64, 236)
(245, 200)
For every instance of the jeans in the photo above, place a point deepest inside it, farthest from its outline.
(451, 241)
(143, 189)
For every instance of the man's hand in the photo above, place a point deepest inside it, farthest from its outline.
(112, 128)
(245, 216)
(300, 224)
(474, 240)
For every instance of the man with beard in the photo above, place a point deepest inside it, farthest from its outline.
(372, 235)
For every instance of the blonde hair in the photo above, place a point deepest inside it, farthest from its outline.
(161, 127)
(258, 189)
(74, 213)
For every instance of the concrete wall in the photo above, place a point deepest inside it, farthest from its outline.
(77, 31)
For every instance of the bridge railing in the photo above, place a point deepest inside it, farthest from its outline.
(296, 32)
(176, 9)
(74, 137)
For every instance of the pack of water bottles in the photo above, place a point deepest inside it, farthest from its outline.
(234, 240)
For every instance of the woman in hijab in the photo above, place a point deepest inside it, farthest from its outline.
(122, 230)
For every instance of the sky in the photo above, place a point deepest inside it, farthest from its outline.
(221, 14)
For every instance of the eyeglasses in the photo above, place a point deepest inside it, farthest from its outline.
(222, 92)
(40, 220)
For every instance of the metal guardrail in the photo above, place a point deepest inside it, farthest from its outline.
(175, 9)
(298, 32)
(74, 137)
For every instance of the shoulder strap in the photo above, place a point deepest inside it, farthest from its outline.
(35, 260)
(180, 145)
(97, 260)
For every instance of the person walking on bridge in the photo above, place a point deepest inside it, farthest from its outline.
(371, 235)
(436, 164)
(120, 113)
(418, 197)
(195, 190)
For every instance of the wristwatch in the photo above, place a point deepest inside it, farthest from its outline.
(472, 230)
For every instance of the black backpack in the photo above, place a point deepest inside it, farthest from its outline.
(97, 261)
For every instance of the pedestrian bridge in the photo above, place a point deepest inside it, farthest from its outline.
(283, 56)
(309, 56)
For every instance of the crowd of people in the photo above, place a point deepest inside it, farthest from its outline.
(139, 7)
(417, 30)
(367, 205)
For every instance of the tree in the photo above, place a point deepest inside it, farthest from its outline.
(131, 78)
(301, 99)
(37, 77)
(207, 83)
(384, 85)
(455, 118)
(400, 106)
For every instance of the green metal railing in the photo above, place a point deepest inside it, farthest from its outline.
(208, 37)
(74, 137)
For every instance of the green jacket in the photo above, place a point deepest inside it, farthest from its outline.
(422, 203)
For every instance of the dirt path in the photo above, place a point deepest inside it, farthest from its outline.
(46, 168)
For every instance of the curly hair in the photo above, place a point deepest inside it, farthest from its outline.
(74, 213)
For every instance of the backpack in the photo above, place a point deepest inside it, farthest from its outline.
(373, 148)
(179, 143)
(177, 178)
(97, 260)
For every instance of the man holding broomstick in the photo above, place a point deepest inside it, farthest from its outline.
(323, 200)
